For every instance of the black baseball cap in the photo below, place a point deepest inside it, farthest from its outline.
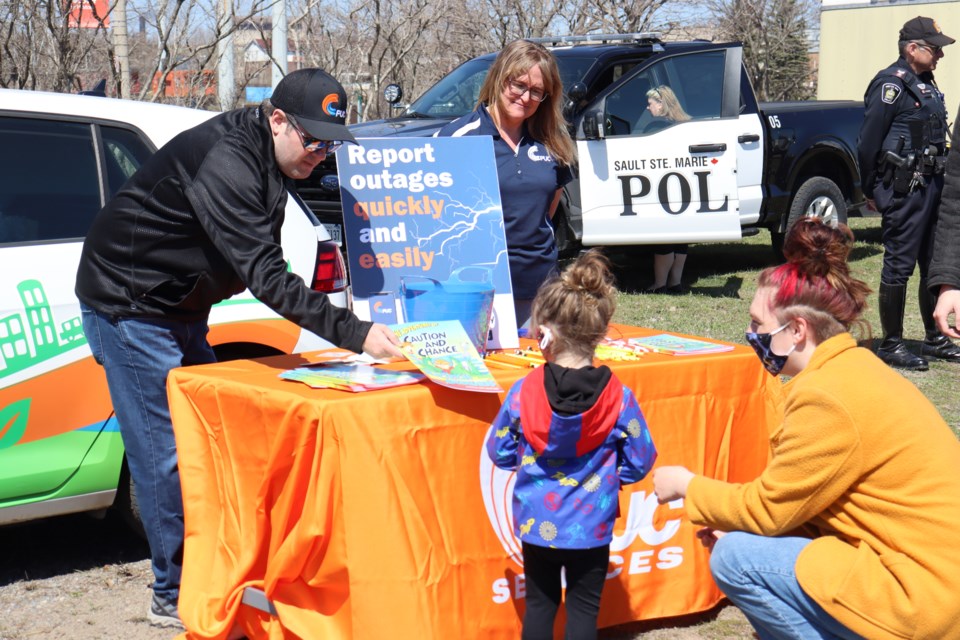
(317, 101)
(925, 29)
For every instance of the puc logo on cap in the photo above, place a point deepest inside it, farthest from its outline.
(331, 104)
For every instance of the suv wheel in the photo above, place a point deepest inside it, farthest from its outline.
(818, 197)
(127, 503)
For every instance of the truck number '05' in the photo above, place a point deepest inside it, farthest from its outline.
(774, 121)
(636, 186)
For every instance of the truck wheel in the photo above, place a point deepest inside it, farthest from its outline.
(818, 197)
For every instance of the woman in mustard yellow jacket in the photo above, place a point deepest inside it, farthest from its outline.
(851, 530)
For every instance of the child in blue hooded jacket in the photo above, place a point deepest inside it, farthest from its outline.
(574, 434)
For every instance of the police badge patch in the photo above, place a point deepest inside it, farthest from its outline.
(890, 92)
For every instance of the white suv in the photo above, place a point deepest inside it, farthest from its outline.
(61, 157)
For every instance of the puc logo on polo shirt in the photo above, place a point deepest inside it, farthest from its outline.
(534, 154)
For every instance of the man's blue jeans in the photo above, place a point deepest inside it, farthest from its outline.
(758, 574)
(137, 354)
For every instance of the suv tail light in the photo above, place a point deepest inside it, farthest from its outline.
(330, 275)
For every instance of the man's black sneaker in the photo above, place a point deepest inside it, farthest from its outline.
(163, 613)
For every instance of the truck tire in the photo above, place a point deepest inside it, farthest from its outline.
(566, 239)
(561, 233)
(817, 197)
(127, 503)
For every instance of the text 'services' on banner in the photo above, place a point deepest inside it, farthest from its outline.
(416, 212)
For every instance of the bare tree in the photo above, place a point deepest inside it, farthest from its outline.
(775, 40)
(615, 16)
(367, 44)
(41, 47)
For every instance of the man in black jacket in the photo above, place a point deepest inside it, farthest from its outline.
(901, 147)
(944, 278)
(199, 222)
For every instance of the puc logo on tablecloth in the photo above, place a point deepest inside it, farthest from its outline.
(496, 486)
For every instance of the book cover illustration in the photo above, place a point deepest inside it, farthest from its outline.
(445, 354)
(354, 377)
(618, 350)
(679, 345)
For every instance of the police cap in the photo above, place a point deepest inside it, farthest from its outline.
(925, 29)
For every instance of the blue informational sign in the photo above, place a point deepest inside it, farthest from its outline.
(423, 225)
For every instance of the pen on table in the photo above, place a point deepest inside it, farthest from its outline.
(518, 361)
(531, 355)
(529, 360)
(503, 365)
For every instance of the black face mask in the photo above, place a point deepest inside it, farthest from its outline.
(760, 342)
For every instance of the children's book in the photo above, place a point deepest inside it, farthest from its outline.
(678, 345)
(617, 349)
(350, 376)
(444, 353)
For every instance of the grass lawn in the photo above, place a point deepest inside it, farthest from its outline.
(722, 280)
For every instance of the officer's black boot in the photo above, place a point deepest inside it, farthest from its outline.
(893, 299)
(935, 345)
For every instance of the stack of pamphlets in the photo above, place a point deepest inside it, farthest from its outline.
(350, 376)
(678, 345)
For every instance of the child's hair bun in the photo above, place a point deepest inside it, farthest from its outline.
(578, 304)
(590, 275)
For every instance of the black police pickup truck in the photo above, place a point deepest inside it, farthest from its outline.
(734, 167)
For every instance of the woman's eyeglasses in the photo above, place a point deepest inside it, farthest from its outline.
(517, 89)
(311, 144)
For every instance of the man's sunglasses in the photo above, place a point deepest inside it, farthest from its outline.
(933, 49)
(311, 144)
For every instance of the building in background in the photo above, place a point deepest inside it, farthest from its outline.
(859, 37)
(87, 14)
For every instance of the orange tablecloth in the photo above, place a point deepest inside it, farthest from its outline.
(377, 515)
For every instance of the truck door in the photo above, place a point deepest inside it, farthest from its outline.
(659, 153)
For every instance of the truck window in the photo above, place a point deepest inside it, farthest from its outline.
(50, 187)
(456, 93)
(124, 151)
(695, 80)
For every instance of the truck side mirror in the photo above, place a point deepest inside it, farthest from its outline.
(393, 93)
(591, 125)
(577, 92)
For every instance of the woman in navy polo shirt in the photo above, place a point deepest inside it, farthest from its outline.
(520, 106)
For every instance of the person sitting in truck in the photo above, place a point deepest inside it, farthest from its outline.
(668, 259)
(664, 106)
(520, 107)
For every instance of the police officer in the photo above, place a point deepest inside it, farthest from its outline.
(901, 149)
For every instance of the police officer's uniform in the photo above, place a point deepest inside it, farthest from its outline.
(902, 149)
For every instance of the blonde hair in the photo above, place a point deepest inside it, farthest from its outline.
(578, 304)
(671, 105)
(547, 124)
